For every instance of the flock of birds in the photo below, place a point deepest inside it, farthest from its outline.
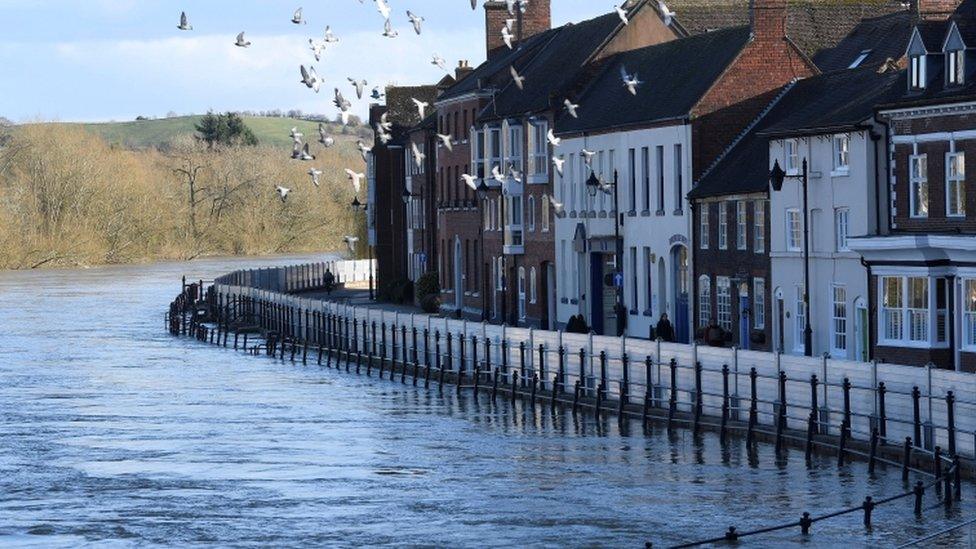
(301, 150)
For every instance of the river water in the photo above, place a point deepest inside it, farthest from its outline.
(114, 433)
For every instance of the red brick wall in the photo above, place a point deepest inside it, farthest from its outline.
(941, 358)
(537, 18)
(936, 8)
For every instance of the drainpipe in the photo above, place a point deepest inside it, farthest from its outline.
(870, 326)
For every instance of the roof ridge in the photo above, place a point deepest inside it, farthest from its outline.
(748, 129)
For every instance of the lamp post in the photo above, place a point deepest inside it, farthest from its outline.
(408, 232)
(482, 192)
(776, 178)
(594, 185)
(359, 206)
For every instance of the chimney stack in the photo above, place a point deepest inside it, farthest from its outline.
(934, 9)
(768, 19)
(531, 17)
(462, 70)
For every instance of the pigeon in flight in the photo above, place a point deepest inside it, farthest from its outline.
(383, 8)
(416, 20)
(447, 141)
(295, 135)
(631, 82)
(418, 157)
(558, 163)
(388, 30)
(330, 37)
(622, 13)
(343, 105)
(571, 108)
(363, 149)
(558, 207)
(306, 156)
(469, 180)
(324, 137)
(519, 80)
(241, 42)
(315, 176)
(360, 86)
(665, 12)
(383, 135)
(356, 179)
(587, 156)
(351, 243)
(497, 174)
(184, 23)
(553, 140)
(317, 48)
(421, 107)
(297, 17)
(439, 62)
(310, 78)
(282, 192)
(385, 123)
(507, 36)
(377, 94)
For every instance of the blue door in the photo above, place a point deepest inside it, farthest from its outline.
(744, 322)
(679, 264)
(596, 293)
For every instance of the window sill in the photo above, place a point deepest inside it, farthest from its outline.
(840, 173)
(912, 344)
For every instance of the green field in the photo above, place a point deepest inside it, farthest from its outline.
(151, 133)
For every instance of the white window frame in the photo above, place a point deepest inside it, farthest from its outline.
(859, 59)
(533, 294)
(956, 67)
(800, 320)
(723, 302)
(742, 225)
(791, 156)
(841, 146)
(530, 214)
(759, 226)
(703, 226)
(842, 229)
(956, 183)
(723, 226)
(794, 230)
(649, 265)
(917, 72)
(969, 314)
(545, 213)
(538, 169)
(521, 293)
(839, 322)
(918, 179)
(704, 301)
(759, 303)
(901, 324)
(514, 144)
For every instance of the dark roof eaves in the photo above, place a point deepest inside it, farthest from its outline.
(630, 126)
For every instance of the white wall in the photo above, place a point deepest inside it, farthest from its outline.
(829, 190)
(644, 225)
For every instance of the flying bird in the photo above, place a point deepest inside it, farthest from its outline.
(351, 243)
(297, 17)
(385, 123)
(383, 8)
(324, 137)
(356, 179)
(665, 12)
(241, 42)
(587, 156)
(507, 36)
(282, 192)
(421, 107)
(515, 173)
(553, 140)
(383, 135)
(558, 163)
(360, 86)
(557, 207)
(184, 23)
(310, 78)
(330, 37)
(388, 30)
(497, 174)
(418, 157)
(317, 48)
(519, 80)
(306, 156)
(295, 135)
(631, 82)
(377, 94)
(622, 13)
(469, 180)
(416, 20)
(571, 108)
(315, 176)
(439, 62)
(447, 141)
(363, 149)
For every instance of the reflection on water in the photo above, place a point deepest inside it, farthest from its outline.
(115, 433)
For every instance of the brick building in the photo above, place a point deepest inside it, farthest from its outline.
(921, 273)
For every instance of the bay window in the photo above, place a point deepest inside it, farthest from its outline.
(494, 150)
(514, 146)
(913, 311)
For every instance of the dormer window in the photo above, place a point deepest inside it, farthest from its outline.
(917, 72)
(860, 59)
(955, 67)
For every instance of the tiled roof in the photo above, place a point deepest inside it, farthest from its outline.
(830, 102)
(883, 37)
(933, 33)
(402, 111)
(553, 69)
(813, 24)
(678, 74)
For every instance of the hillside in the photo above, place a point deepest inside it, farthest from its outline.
(149, 133)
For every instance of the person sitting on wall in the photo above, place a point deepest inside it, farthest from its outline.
(664, 329)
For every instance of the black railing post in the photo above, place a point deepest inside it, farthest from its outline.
(582, 366)
(625, 383)
(814, 404)
(437, 356)
(753, 407)
(906, 459)
(603, 374)
(673, 397)
(725, 402)
(522, 362)
(882, 414)
(560, 385)
(951, 422)
(415, 352)
(917, 416)
(540, 370)
(699, 393)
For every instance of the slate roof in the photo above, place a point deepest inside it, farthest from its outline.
(827, 103)
(494, 71)
(933, 34)
(813, 24)
(885, 37)
(682, 71)
(553, 68)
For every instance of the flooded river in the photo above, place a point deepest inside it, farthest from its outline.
(114, 433)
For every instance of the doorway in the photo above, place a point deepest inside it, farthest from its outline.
(604, 295)
(679, 265)
(860, 330)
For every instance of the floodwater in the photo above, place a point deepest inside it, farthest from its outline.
(114, 433)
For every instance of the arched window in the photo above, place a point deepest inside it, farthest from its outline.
(531, 214)
(704, 301)
(532, 285)
(545, 213)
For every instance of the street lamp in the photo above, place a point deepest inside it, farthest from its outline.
(482, 192)
(359, 206)
(776, 178)
(593, 185)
